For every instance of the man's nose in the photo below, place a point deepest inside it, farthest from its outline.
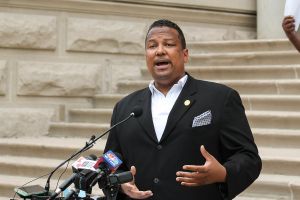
(160, 50)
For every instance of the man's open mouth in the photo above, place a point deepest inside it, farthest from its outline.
(162, 63)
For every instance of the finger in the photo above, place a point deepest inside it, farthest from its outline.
(133, 170)
(288, 18)
(195, 168)
(287, 25)
(290, 25)
(141, 194)
(127, 188)
(288, 21)
(186, 180)
(205, 153)
(190, 184)
(187, 174)
(133, 192)
(191, 181)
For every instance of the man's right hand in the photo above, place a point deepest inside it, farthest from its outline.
(131, 190)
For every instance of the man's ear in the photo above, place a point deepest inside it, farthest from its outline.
(186, 55)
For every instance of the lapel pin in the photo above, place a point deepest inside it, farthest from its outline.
(187, 102)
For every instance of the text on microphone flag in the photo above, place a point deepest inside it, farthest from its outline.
(83, 163)
(112, 160)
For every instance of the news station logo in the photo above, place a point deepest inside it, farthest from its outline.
(83, 163)
(112, 160)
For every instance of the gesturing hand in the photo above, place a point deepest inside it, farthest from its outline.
(131, 190)
(288, 25)
(211, 172)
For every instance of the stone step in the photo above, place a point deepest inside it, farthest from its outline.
(106, 100)
(272, 102)
(8, 183)
(32, 166)
(259, 72)
(284, 87)
(272, 186)
(26, 158)
(274, 119)
(245, 58)
(239, 46)
(48, 147)
(281, 161)
(251, 102)
(263, 125)
(275, 161)
(242, 197)
(86, 130)
(96, 115)
(277, 138)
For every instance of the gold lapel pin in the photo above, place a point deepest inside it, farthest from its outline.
(187, 102)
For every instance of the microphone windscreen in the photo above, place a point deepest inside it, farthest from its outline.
(137, 111)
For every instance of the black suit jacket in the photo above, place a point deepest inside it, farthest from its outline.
(228, 138)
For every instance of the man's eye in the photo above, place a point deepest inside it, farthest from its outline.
(151, 46)
(170, 45)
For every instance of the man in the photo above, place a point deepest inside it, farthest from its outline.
(288, 25)
(192, 140)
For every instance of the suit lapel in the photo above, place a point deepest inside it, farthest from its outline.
(184, 102)
(145, 119)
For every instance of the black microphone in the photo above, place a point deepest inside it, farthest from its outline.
(136, 112)
(72, 178)
(120, 178)
(63, 186)
(104, 169)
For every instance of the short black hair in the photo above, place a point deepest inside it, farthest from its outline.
(170, 24)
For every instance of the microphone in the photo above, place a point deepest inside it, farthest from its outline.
(84, 163)
(109, 160)
(136, 112)
(73, 177)
(120, 178)
(64, 185)
(106, 164)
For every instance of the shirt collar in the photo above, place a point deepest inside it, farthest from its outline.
(180, 83)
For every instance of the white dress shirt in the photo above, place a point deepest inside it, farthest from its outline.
(161, 105)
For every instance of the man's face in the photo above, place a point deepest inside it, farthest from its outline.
(165, 56)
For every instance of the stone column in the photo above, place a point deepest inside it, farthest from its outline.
(269, 18)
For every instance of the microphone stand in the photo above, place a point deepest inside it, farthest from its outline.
(87, 146)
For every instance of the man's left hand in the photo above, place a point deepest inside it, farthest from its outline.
(211, 172)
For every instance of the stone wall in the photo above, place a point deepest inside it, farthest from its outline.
(56, 55)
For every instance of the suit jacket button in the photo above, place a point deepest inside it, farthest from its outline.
(159, 147)
(156, 180)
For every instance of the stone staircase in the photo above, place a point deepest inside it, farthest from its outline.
(267, 75)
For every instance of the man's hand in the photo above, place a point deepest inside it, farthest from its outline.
(288, 25)
(211, 172)
(131, 190)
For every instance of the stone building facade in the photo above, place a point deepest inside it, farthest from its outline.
(57, 55)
